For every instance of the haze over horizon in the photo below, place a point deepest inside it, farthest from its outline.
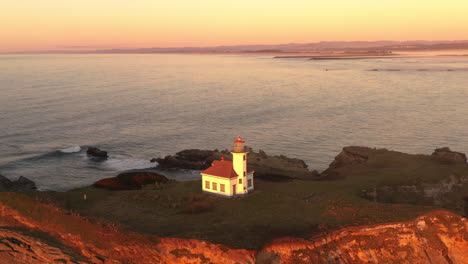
(29, 25)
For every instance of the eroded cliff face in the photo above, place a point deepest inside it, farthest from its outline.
(17, 248)
(438, 237)
(93, 241)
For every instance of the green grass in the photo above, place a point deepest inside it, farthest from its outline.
(297, 208)
(274, 210)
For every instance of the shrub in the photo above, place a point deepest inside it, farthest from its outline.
(131, 181)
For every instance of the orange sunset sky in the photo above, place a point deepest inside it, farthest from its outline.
(27, 25)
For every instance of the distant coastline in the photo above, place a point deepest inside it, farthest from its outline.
(302, 49)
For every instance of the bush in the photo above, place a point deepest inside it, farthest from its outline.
(131, 181)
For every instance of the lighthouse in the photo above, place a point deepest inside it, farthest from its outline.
(229, 178)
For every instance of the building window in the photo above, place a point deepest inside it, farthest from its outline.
(249, 183)
(215, 186)
(221, 188)
(207, 184)
(244, 157)
(245, 173)
(240, 181)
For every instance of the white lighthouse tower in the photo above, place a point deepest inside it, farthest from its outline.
(229, 178)
(239, 162)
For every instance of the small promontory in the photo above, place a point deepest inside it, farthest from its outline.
(268, 167)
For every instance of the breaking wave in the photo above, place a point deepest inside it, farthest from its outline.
(71, 149)
(123, 164)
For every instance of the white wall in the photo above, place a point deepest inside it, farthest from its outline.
(239, 162)
(218, 181)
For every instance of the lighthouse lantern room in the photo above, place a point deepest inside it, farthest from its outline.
(229, 178)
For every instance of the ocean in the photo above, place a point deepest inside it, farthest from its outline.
(137, 107)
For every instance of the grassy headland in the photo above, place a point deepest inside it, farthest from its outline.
(298, 208)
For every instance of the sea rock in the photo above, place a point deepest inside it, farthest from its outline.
(447, 154)
(193, 159)
(23, 184)
(96, 152)
(131, 181)
(267, 167)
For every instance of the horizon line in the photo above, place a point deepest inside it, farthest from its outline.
(103, 49)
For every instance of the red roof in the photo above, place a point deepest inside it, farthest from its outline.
(239, 140)
(221, 168)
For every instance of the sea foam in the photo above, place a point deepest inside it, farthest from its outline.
(71, 149)
(123, 164)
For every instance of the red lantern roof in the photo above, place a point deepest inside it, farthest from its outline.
(239, 140)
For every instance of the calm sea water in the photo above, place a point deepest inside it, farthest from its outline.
(142, 106)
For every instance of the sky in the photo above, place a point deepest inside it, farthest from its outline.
(27, 25)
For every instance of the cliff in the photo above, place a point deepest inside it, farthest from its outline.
(64, 237)
(437, 237)
(93, 240)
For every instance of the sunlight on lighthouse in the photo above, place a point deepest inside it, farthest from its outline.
(229, 178)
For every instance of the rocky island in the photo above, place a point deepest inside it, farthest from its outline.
(370, 206)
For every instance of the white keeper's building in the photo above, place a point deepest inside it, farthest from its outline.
(229, 178)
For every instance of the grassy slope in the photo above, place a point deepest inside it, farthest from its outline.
(296, 208)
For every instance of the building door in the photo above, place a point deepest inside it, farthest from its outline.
(233, 189)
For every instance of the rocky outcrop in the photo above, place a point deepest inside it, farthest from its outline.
(348, 156)
(446, 154)
(23, 184)
(131, 180)
(96, 152)
(266, 167)
(436, 237)
(108, 243)
(442, 193)
(18, 248)
(193, 159)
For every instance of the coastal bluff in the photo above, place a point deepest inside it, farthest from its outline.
(51, 235)
(370, 206)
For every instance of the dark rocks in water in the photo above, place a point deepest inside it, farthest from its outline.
(193, 159)
(449, 155)
(153, 160)
(96, 152)
(131, 181)
(275, 168)
(23, 184)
